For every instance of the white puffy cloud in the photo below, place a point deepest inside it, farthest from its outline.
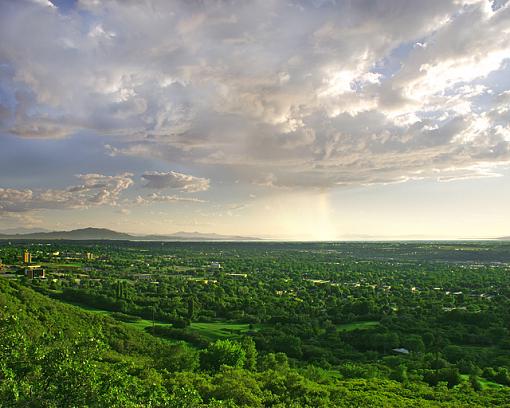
(291, 94)
(177, 181)
(469, 46)
(95, 190)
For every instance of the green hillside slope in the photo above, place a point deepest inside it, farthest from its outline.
(56, 355)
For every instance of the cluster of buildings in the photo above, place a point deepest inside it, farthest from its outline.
(32, 271)
(35, 271)
(73, 256)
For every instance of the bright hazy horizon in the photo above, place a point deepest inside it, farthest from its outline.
(308, 120)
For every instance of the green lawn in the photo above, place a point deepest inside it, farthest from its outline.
(220, 330)
(89, 308)
(357, 326)
(213, 331)
(61, 265)
(489, 384)
(139, 324)
(485, 383)
(143, 323)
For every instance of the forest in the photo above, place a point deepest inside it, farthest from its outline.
(255, 324)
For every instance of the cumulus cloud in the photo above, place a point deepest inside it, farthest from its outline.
(162, 198)
(293, 94)
(96, 190)
(177, 181)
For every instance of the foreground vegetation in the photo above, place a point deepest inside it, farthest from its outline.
(232, 325)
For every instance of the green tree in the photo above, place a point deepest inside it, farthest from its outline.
(222, 352)
(475, 382)
(250, 351)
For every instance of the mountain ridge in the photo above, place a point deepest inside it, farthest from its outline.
(92, 233)
(22, 230)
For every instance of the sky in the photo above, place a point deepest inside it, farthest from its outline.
(285, 119)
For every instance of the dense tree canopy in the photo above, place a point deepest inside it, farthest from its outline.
(279, 325)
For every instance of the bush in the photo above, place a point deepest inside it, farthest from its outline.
(222, 352)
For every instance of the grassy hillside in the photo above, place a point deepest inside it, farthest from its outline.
(40, 317)
(56, 355)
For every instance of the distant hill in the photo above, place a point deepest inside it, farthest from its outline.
(12, 231)
(78, 234)
(94, 234)
(504, 238)
(195, 236)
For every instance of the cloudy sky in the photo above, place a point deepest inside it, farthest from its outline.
(298, 119)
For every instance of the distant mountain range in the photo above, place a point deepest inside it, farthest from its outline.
(21, 230)
(99, 234)
(106, 234)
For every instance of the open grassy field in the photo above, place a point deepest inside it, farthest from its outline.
(89, 308)
(220, 330)
(69, 265)
(139, 324)
(212, 331)
(485, 383)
